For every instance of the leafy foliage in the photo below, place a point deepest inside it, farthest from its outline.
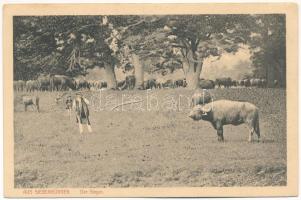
(72, 44)
(268, 45)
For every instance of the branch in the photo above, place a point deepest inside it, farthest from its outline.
(85, 26)
(179, 46)
(137, 23)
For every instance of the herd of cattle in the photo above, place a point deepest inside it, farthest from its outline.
(225, 111)
(61, 83)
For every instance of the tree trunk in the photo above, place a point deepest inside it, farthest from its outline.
(110, 77)
(193, 74)
(139, 71)
(270, 74)
(282, 73)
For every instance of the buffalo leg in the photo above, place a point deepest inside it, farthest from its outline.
(219, 129)
(257, 130)
(37, 104)
(220, 135)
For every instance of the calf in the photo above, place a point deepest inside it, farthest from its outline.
(200, 97)
(31, 100)
(80, 105)
(223, 112)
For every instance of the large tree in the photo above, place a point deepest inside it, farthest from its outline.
(268, 47)
(60, 45)
(197, 37)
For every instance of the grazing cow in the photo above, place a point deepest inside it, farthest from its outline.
(200, 97)
(255, 82)
(234, 83)
(121, 85)
(32, 85)
(240, 82)
(150, 84)
(92, 84)
(159, 83)
(31, 101)
(226, 82)
(69, 102)
(61, 82)
(80, 105)
(180, 83)
(130, 82)
(206, 84)
(44, 82)
(98, 84)
(247, 82)
(81, 84)
(168, 84)
(263, 83)
(223, 112)
(103, 84)
(19, 85)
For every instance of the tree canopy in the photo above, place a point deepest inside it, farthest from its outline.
(71, 44)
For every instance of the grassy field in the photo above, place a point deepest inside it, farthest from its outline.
(148, 143)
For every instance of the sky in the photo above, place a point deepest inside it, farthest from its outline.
(230, 65)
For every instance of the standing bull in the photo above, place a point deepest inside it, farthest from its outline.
(31, 101)
(223, 112)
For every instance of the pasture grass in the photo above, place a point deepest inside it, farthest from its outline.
(140, 146)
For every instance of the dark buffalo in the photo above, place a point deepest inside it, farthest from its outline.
(234, 83)
(150, 84)
(81, 84)
(206, 84)
(247, 82)
(121, 85)
(223, 112)
(44, 82)
(61, 82)
(180, 83)
(226, 82)
(130, 82)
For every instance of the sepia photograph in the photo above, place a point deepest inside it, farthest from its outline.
(151, 100)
